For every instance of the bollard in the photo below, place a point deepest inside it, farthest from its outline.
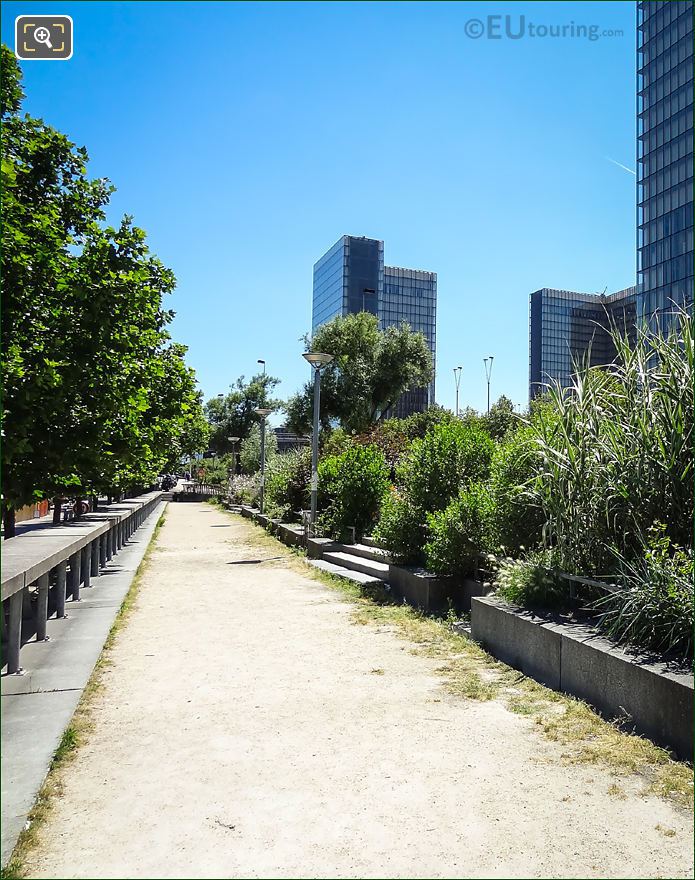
(61, 579)
(42, 609)
(94, 557)
(75, 560)
(14, 636)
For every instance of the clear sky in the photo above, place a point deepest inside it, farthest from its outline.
(245, 138)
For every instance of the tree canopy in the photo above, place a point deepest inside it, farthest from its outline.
(370, 369)
(96, 396)
(234, 414)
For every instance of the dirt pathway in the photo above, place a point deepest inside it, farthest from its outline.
(247, 728)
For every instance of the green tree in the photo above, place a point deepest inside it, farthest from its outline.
(502, 419)
(234, 414)
(250, 450)
(370, 369)
(95, 396)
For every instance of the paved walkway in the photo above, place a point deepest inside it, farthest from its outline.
(37, 706)
(248, 728)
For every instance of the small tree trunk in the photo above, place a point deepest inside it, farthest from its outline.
(8, 522)
(95, 502)
(57, 505)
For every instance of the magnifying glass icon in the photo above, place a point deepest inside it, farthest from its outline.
(43, 35)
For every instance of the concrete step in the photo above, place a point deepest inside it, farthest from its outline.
(372, 542)
(357, 577)
(366, 551)
(357, 563)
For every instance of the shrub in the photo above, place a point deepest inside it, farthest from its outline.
(245, 489)
(532, 582)
(457, 533)
(288, 478)
(450, 456)
(501, 421)
(516, 519)
(401, 529)
(351, 486)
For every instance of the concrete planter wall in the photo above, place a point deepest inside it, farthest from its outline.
(431, 592)
(291, 535)
(573, 658)
(420, 588)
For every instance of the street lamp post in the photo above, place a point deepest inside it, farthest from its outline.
(259, 361)
(317, 360)
(457, 379)
(233, 441)
(488, 373)
(263, 412)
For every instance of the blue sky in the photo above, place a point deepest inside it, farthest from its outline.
(247, 137)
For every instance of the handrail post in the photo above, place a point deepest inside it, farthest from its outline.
(94, 557)
(42, 609)
(86, 566)
(14, 635)
(61, 579)
(75, 561)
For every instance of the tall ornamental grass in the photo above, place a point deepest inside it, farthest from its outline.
(616, 453)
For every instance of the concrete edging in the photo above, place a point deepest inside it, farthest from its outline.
(432, 592)
(575, 659)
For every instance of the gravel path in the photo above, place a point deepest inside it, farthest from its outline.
(247, 728)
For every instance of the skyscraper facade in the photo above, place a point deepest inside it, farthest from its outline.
(411, 295)
(664, 158)
(568, 327)
(351, 277)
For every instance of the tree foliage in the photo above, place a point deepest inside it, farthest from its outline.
(234, 414)
(96, 397)
(370, 369)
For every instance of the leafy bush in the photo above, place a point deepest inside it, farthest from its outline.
(457, 534)
(351, 487)
(532, 582)
(516, 520)
(501, 421)
(401, 529)
(245, 489)
(654, 608)
(288, 478)
(450, 456)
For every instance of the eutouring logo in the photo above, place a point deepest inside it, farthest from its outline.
(517, 27)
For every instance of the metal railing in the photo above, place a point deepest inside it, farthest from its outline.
(204, 489)
(61, 559)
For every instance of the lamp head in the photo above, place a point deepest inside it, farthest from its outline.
(233, 439)
(263, 411)
(317, 359)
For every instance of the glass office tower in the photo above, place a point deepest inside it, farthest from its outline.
(351, 277)
(410, 295)
(348, 278)
(567, 327)
(664, 158)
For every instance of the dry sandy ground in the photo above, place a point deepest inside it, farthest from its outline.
(243, 732)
